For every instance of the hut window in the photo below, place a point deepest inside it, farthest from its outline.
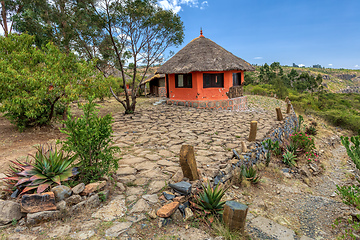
(237, 79)
(183, 81)
(213, 80)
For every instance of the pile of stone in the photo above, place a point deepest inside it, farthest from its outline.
(37, 208)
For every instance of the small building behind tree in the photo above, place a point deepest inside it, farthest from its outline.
(205, 75)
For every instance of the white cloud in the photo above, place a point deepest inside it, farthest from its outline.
(175, 5)
(204, 4)
(258, 57)
(330, 64)
(301, 65)
(357, 66)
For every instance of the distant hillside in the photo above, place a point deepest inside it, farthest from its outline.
(334, 80)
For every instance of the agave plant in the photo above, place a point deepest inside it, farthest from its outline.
(250, 174)
(49, 167)
(209, 200)
(289, 158)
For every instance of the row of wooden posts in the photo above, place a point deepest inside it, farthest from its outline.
(253, 124)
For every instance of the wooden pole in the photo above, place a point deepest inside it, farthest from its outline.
(279, 114)
(253, 129)
(234, 215)
(288, 109)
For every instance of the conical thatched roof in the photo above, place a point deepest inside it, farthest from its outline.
(202, 54)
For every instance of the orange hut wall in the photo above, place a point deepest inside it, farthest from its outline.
(197, 92)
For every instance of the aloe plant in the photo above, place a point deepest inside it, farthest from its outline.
(270, 146)
(49, 167)
(289, 158)
(209, 200)
(249, 173)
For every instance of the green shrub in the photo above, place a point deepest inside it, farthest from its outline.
(209, 200)
(37, 84)
(289, 158)
(90, 136)
(249, 173)
(350, 195)
(353, 151)
(50, 167)
(270, 146)
(302, 141)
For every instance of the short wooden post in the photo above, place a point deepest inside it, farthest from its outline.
(279, 114)
(288, 109)
(253, 129)
(243, 147)
(188, 163)
(287, 100)
(234, 215)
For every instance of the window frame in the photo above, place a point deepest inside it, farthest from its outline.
(187, 80)
(238, 74)
(212, 85)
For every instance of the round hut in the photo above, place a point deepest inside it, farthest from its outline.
(205, 75)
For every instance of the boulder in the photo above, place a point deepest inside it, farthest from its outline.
(32, 203)
(78, 188)
(168, 209)
(34, 218)
(93, 187)
(74, 199)
(9, 210)
(61, 192)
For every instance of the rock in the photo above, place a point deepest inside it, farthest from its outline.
(121, 186)
(61, 205)
(19, 236)
(82, 235)
(151, 198)
(60, 231)
(188, 214)
(156, 186)
(3, 192)
(184, 188)
(78, 188)
(137, 218)
(117, 229)
(9, 210)
(273, 229)
(88, 225)
(61, 192)
(180, 199)
(140, 206)
(188, 162)
(168, 209)
(177, 216)
(169, 195)
(74, 199)
(178, 176)
(38, 217)
(32, 203)
(163, 222)
(134, 191)
(93, 187)
(115, 209)
(124, 171)
(91, 202)
(152, 214)
(234, 215)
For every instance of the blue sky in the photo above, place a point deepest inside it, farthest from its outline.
(308, 32)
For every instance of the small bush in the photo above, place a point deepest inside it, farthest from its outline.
(50, 167)
(302, 141)
(250, 174)
(353, 151)
(350, 195)
(90, 137)
(289, 158)
(270, 146)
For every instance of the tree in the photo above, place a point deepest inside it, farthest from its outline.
(36, 84)
(138, 31)
(9, 9)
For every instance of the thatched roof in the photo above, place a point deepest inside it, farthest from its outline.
(202, 54)
(152, 77)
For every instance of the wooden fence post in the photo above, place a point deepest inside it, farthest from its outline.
(253, 129)
(234, 215)
(279, 114)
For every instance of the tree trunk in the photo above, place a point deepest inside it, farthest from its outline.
(4, 20)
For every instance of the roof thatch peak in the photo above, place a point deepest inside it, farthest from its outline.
(202, 54)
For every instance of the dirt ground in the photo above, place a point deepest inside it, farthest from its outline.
(306, 205)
